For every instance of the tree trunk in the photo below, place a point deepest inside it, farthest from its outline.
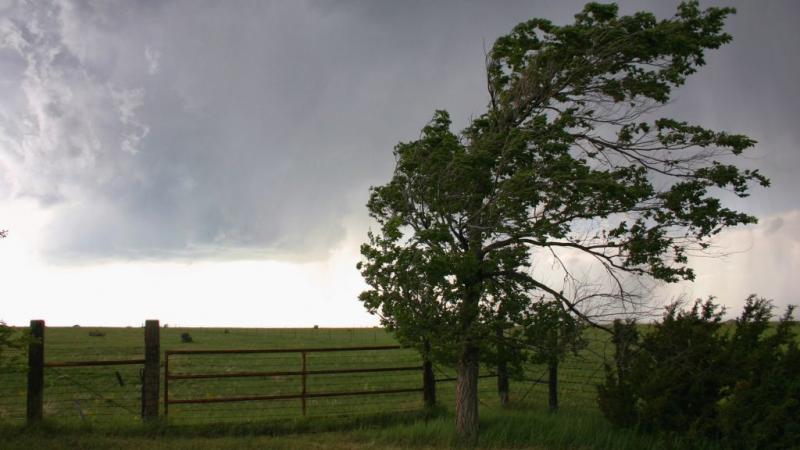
(552, 385)
(467, 367)
(467, 394)
(428, 378)
(502, 370)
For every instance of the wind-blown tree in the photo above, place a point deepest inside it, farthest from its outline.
(569, 157)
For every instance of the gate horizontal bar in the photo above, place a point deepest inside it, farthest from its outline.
(117, 362)
(281, 350)
(454, 379)
(290, 396)
(192, 376)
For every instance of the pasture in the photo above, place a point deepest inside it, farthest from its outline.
(98, 405)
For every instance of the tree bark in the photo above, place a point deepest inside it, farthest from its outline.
(467, 394)
(502, 370)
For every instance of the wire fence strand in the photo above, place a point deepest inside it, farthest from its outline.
(110, 394)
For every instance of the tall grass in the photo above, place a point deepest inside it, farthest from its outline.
(524, 426)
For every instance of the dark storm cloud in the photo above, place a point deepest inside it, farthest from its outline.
(177, 129)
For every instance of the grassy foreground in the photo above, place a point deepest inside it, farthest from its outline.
(519, 427)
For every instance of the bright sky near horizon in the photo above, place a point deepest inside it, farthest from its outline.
(207, 163)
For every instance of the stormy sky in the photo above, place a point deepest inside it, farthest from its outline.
(157, 158)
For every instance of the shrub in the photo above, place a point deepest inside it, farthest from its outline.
(763, 408)
(680, 370)
(689, 374)
(11, 342)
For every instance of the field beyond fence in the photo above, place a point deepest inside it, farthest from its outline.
(253, 375)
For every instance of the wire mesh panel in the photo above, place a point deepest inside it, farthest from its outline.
(77, 390)
(577, 376)
(13, 378)
(278, 384)
(93, 394)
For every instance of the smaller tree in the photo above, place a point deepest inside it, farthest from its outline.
(615, 396)
(551, 333)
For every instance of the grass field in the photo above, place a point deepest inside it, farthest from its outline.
(98, 407)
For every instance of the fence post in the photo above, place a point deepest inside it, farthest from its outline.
(152, 359)
(35, 371)
(166, 384)
(552, 385)
(303, 381)
(428, 378)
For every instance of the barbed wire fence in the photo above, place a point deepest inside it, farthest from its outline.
(113, 394)
(93, 394)
(13, 381)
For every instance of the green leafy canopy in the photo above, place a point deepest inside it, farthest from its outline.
(569, 156)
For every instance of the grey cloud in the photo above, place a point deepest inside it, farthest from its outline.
(773, 226)
(201, 129)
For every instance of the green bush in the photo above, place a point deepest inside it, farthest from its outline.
(762, 409)
(691, 374)
(11, 342)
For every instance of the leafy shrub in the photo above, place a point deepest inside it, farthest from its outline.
(690, 374)
(11, 342)
(762, 409)
(680, 371)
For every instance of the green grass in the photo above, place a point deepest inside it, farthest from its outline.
(524, 426)
(90, 408)
(111, 394)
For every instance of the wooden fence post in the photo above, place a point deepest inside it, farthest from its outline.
(152, 360)
(552, 385)
(303, 383)
(35, 371)
(428, 378)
